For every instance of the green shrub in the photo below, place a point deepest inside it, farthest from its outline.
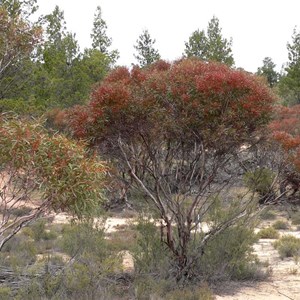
(83, 238)
(38, 230)
(268, 233)
(288, 246)
(148, 287)
(295, 218)
(268, 215)
(150, 255)
(191, 293)
(260, 181)
(280, 225)
(19, 252)
(5, 292)
(21, 211)
(33, 291)
(229, 256)
(121, 240)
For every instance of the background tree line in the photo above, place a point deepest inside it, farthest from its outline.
(44, 67)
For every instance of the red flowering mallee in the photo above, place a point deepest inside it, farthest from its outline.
(186, 96)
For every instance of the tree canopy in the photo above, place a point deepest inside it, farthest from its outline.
(268, 71)
(45, 173)
(210, 45)
(290, 82)
(146, 53)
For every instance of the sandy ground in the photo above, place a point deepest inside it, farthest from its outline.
(283, 282)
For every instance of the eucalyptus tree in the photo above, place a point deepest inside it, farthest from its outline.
(268, 71)
(146, 53)
(210, 45)
(290, 82)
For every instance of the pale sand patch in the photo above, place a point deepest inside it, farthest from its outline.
(127, 262)
(283, 283)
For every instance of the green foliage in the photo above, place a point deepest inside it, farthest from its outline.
(19, 253)
(48, 172)
(21, 211)
(18, 39)
(39, 231)
(288, 246)
(5, 292)
(24, 8)
(87, 274)
(147, 287)
(191, 293)
(268, 233)
(228, 255)
(260, 181)
(146, 53)
(32, 291)
(61, 168)
(210, 46)
(289, 86)
(295, 216)
(268, 214)
(21, 106)
(38, 73)
(150, 254)
(268, 71)
(83, 238)
(280, 224)
(100, 40)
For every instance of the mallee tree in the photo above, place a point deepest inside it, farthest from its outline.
(176, 131)
(42, 173)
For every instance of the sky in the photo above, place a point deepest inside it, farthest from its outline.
(258, 28)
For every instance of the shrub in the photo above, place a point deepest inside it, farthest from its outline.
(150, 255)
(83, 238)
(191, 293)
(88, 274)
(281, 225)
(54, 172)
(229, 256)
(19, 252)
(295, 218)
(5, 292)
(21, 211)
(268, 233)
(260, 181)
(121, 240)
(38, 230)
(149, 288)
(268, 215)
(288, 246)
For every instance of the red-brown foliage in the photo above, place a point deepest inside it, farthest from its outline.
(187, 98)
(286, 132)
